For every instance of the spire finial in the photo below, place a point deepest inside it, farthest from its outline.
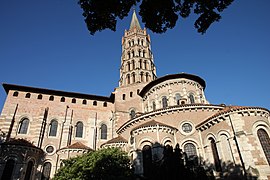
(134, 21)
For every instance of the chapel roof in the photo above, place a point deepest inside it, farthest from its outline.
(172, 76)
(77, 145)
(118, 139)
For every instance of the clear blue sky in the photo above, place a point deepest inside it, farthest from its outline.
(46, 44)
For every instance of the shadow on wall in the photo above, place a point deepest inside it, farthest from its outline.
(162, 163)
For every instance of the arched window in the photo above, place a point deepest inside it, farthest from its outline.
(128, 65)
(191, 98)
(103, 129)
(51, 98)
(177, 98)
(29, 169)
(138, 42)
(140, 64)
(133, 78)
(225, 147)
(84, 101)
(73, 100)
(128, 55)
(164, 102)
(130, 94)
(138, 91)
(63, 99)
(8, 170)
(133, 54)
(23, 126)
(39, 96)
(128, 79)
(79, 129)
(154, 106)
(129, 44)
(141, 76)
(143, 54)
(28, 95)
(146, 77)
(105, 104)
(46, 171)
(139, 53)
(132, 42)
(190, 149)
(132, 114)
(15, 93)
(124, 97)
(215, 154)
(142, 42)
(147, 160)
(265, 142)
(133, 64)
(53, 128)
(145, 64)
(94, 103)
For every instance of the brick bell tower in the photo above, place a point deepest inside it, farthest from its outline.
(137, 64)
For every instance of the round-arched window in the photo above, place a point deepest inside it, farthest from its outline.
(187, 127)
(49, 149)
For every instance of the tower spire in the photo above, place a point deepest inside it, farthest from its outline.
(134, 21)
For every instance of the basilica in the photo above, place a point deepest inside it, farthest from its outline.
(40, 127)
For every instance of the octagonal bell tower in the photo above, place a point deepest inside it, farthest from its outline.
(137, 64)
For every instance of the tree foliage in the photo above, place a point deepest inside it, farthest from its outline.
(110, 163)
(157, 15)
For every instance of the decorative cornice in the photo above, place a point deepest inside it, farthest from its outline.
(226, 111)
(149, 115)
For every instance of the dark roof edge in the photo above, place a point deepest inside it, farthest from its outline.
(9, 87)
(172, 76)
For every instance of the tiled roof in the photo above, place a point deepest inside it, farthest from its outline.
(77, 145)
(152, 123)
(118, 139)
(228, 109)
(172, 76)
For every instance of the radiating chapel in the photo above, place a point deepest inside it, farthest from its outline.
(40, 127)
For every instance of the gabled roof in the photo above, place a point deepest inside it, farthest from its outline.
(9, 87)
(172, 76)
(152, 123)
(134, 21)
(77, 145)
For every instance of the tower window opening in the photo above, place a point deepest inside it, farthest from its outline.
(133, 78)
(105, 104)
(124, 96)
(138, 91)
(84, 101)
(94, 103)
(130, 94)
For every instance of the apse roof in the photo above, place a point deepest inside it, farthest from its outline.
(172, 76)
